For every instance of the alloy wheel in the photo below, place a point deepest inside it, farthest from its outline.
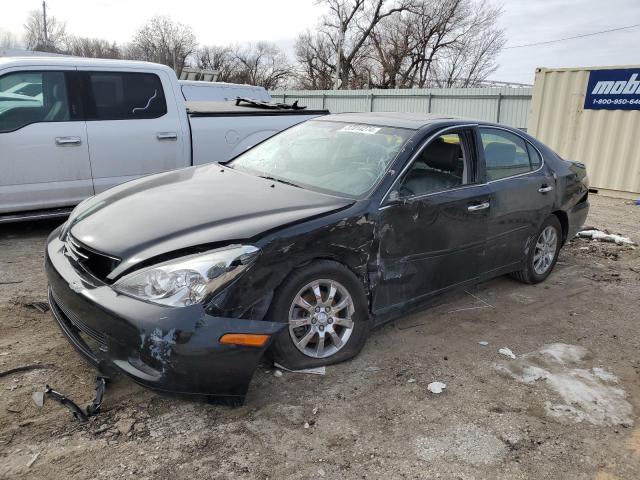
(545, 250)
(321, 318)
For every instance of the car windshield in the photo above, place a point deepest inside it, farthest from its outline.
(346, 159)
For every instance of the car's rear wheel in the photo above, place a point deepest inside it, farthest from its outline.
(325, 307)
(543, 255)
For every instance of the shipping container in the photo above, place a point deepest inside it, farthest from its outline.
(592, 115)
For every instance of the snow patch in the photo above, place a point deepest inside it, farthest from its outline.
(586, 395)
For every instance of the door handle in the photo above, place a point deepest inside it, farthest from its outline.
(481, 206)
(167, 136)
(68, 141)
(545, 188)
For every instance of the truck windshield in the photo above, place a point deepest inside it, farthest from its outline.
(346, 159)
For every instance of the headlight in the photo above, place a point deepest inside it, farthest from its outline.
(188, 280)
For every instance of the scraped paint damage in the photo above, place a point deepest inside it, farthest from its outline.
(159, 345)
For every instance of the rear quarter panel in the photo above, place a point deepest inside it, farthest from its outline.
(572, 189)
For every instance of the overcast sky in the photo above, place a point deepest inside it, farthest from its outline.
(223, 21)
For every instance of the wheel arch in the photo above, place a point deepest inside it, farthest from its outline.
(563, 218)
(359, 271)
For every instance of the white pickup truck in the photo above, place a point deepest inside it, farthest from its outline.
(73, 127)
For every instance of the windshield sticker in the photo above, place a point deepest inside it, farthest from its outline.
(366, 129)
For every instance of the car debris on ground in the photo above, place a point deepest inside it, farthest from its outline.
(33, 459)
(436, 387)
(42, 307)
(604, 236)
(312, 371)
(507, 352)
(92, 409)
(26, 368)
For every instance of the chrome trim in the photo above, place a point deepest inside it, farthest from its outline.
(419, 197)
(482, 206)
(71, 141)
(167, 136)
(36, 216)
(439, 132)
(79, 244)
(545, 189)
(72, 251)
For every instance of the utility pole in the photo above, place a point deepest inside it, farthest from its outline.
(44, 20)
(336, 82)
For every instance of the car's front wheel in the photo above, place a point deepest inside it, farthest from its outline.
(325, 307)
(543, 255)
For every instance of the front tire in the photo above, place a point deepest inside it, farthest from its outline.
(326, 308)
(543, 255)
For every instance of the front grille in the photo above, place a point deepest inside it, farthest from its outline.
(95, 263)
(79, 324)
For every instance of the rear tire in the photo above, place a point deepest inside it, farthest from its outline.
(543, 254)
(339, 315)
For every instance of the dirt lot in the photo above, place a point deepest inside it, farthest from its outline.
(567, 407)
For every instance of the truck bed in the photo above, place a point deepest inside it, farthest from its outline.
(222, 130)
(225, 109)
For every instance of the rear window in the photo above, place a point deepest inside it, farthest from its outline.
(506, 154)
(125, 96)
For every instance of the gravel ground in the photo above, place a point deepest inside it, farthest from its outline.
(566, 407)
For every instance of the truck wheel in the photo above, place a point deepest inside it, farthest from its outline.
(326, 309)
(543, 255)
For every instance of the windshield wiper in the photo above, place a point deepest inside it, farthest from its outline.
(286, 182)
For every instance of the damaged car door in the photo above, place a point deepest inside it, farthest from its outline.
(522, 196)
(433, 222)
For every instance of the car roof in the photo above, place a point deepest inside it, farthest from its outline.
(200, 83)
(64, 61)
(413, 121)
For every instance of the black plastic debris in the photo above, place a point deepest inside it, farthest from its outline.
(42, 307)
(92, 409)
(268, 105)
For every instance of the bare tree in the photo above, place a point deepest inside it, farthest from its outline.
(8, 39)
(36, 38)
(342, 41)
(262, 64)
(393, 46)
(315, 56)
(471, 58)
(91, 47)
(401, 44)
(162, 40)
(220, 59)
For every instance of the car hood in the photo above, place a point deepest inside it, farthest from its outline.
(184, 208)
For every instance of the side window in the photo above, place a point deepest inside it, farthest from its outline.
(536, 160)
(441, 165)
(506, 154)
(125, 96)
(31, 97)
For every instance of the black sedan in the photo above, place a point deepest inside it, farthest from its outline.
(302, 244)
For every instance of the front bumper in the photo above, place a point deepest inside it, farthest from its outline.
(174, 350)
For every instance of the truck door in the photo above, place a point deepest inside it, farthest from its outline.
(44, 157)
(134, 129)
